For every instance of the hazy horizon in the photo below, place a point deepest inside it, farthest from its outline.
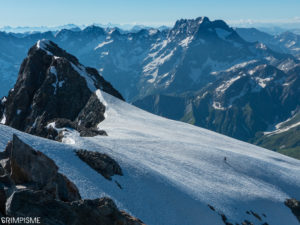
(266, 26)
(35, 13)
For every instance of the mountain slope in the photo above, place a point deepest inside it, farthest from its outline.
(173, 170)
(179, 60)
(245, 101)
(284, 138)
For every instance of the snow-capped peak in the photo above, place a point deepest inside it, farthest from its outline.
(42, 44)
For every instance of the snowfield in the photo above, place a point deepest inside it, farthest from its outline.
(173, 170)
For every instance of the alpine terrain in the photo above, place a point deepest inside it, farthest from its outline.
(239, 82)
(104, 161)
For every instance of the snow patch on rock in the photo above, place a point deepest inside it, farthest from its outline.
(82, 72)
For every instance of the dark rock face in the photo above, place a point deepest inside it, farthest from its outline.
(32, 168)
(2, 106)
(92, 113)
(30, 186)
(66, 124)
(294, 205)
(53, 84)
(102, 163)
(98, 212)
(91, 132)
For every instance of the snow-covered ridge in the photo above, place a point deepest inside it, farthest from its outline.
(172, 170)
(284, 126)
(82, 72)
(241, 65)
(223, 87)
(43, 44)
(103, 44)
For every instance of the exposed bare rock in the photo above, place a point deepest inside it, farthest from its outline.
(33, 188)
(132, 220)
(28, 165)
(53, 85)
(1, 108)
(84, 129)
(102, 163)
(2, 200)
(92, 114)
(91, 132)
(33, 168)
(64, 123)
(101, 211)
(294, 205)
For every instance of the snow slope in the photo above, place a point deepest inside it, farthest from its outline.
(173, 170)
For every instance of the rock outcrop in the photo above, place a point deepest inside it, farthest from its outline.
(102, 163)
(57, 127)
(2, 101)
(294, 205)
(83, 212)
(30, 186)
(53, 85)
(26, 167)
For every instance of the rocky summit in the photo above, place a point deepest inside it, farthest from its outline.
(31, 186)
(53, 86)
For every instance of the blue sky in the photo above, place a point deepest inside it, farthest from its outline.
(150, 12)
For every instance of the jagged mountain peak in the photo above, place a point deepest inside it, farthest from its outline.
(57, 59)
(204, 28)
(94, 29)
(201, 22)
(189, 26)
(52, 85)
(52, 49)
(198, 20)
(115, 32)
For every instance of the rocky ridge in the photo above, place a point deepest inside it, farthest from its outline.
(31, 186)
(54, 88)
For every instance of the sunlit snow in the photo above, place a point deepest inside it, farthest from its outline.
(172, 170)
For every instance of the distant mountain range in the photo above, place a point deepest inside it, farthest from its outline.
(239, 82)
(29, 30)
(118, 164)
(285, 42)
